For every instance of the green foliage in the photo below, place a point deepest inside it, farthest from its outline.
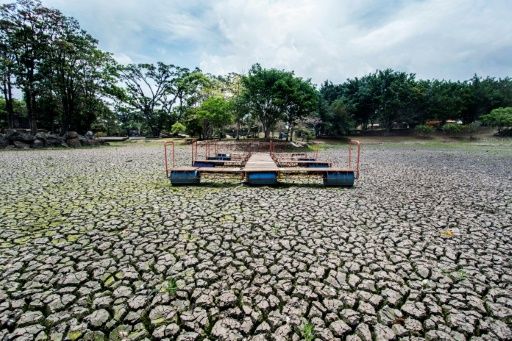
(452, 129)
(391, 97)
(423, 130)
(56, 65)
(68, 83)
(472, 127)
(342, 121)
(171, 286)
(307, 330)
(500, 118)
(178, 128)
(214, 112)
(305, 134)
(272, 95)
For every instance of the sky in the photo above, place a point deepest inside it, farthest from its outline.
(318, 39)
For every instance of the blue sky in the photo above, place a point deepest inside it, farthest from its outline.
(319, 39)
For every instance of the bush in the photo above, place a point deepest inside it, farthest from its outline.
(100, 134)
(500, 118)
(178, 128)
(423, 130)
(452, 129)
(472, 128)
(305, 134)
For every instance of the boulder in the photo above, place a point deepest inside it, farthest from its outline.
(89, 142)
(74, 142)
(4, 142)
(71, 135)
(54, 140)
(38, 143)
(89, 135)
(21, 136)
(21, 145)
(41, 136)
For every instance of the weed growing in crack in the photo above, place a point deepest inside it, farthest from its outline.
(172, 286)
(307, 330)
(460, 275)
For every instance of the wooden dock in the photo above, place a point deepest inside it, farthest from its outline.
(261, 162)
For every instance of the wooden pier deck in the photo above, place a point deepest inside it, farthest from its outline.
(261, 162)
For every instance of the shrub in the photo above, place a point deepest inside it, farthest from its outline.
(472, 128)
(452, 129)
(423, 130)
(100, 134)
(500, 118)
(178, 128)
(305, 134)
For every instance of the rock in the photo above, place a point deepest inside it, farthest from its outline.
(89, 135)
(21, 145)
(38, 143)
(21, 136)
(4, 142)
(70, 135)
(54, 140)
(74, 142)
(41, 136)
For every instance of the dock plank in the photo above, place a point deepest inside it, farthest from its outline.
(260, 162)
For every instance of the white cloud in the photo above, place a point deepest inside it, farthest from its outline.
(321, 39)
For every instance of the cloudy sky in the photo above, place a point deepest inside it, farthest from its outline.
(319, 39)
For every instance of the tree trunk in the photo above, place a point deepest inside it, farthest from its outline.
(291, 133)
(267, 133)
(12, 119)
(30, 99)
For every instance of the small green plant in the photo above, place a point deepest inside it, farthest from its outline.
(307, 331)
(460, 275)
(240, 299)
(172, 286)
(452, 129)
(423, 130)
(275, 229)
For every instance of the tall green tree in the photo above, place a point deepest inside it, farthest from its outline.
(214, 113)
(299, 97)
(161, 93)
(272, 95)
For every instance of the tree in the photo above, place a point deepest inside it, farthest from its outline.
(28, 27)
(7, 62)
(299, 97)
(342, 120)
(271, 95)
(262, 96)
(214, 113)
(161, 93)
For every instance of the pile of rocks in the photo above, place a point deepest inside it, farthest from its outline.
(24, 140)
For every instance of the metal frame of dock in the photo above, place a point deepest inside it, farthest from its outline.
(259, 163)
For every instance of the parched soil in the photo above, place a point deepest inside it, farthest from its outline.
(96, 244)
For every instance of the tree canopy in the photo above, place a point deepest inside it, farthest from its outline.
(67, 83)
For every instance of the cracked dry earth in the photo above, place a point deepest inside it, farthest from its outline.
(95, 244)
